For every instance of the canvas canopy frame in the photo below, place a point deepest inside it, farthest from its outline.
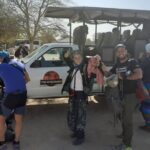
(99, 15)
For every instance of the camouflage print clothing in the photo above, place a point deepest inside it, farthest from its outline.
(77, 113)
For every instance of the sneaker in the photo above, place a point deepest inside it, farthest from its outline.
(3, 147)
(16, 146)
(129, 148)
(121, 147)
(78, 141)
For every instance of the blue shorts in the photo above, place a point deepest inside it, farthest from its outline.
(6, 112)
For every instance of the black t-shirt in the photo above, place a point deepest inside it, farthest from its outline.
(125, 69)
(145, 65)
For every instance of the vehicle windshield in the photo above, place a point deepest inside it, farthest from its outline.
(28, 57)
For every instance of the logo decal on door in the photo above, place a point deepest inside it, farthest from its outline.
(51, 78)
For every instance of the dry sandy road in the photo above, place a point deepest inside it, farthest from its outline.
(45, 128)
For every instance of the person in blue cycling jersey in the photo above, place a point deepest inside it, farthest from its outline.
(14, 77)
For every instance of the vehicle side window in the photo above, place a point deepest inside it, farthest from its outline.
(52, 58)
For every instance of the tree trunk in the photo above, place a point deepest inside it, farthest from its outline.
(31, 46)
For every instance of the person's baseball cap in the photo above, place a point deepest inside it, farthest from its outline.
(120, 46)
(147, 48)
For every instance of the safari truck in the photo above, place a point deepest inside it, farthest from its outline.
(46, 65)
(48, 70)
(131, 27)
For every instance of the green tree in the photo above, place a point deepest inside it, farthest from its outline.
(9, 24)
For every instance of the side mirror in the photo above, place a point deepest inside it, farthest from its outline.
(36, 64)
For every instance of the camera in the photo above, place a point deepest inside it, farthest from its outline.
(128, 73)
(124, 72)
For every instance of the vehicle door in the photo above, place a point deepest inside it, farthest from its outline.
(48, 74)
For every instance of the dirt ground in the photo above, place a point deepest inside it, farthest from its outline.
(45, 128)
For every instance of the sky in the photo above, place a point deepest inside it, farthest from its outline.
(127, 4)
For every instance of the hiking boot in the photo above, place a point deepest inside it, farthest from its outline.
(16, 145)
(3, 147)
(78, 141)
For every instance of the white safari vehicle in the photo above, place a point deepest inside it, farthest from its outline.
(48, 70)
